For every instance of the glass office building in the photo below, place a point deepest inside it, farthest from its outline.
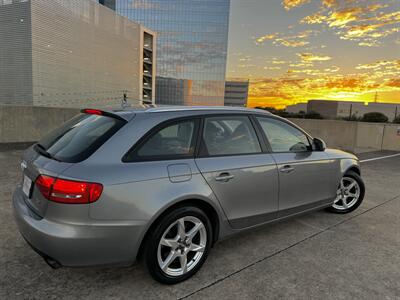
(192, 38)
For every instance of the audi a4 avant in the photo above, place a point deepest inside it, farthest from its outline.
(164, 184)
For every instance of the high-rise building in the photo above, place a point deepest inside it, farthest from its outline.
(236, 93)
(73, 53)
(191, 46)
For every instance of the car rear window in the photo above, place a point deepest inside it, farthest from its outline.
(80, 137)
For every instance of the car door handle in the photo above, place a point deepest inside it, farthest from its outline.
(287, 169)
(224, 177)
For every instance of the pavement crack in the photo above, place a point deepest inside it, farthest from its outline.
(289, 247)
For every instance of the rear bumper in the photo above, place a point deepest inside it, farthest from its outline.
(76, 245)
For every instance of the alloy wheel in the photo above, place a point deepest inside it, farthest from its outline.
(182, 246)
(347, 194)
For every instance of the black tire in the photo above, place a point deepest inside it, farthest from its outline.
(152, 242)
(361, 184)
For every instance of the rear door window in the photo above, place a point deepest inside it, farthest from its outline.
(229, 135)
(80, 137)
(173, 141)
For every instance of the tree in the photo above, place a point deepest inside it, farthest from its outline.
(300, 115)
(375, 117)
(397, 120)
(313, 115)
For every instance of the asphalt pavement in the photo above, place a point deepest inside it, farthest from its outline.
(314, 256)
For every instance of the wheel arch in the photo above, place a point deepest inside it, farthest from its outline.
(354, 168)
(202, 204)
(347, 165)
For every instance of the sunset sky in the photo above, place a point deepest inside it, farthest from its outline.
(296, 50)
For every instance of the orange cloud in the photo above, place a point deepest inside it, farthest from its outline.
(390, 18)
(369, 44)
(323, 84)
(245, 58)
(289, 4)
(314, 71)
(363, 24)
(384, 33)
(264, 38)
(272, 68)
(393, 83)
(296, 40)
(293, 44)
(301, 65)
(309, 57)
(329, 3)
(360, 30)
(380, 64)
(247, 66)
(353, 84)
(314, 19)
(280, 94)
(343, 17)
(278, 62)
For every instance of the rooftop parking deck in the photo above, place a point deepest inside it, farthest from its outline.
(314, 256)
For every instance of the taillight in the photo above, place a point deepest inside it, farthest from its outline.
(44, 184)
(68, 191)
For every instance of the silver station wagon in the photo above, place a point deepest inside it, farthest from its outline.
(164, 184)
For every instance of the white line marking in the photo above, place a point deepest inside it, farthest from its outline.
(381, 157)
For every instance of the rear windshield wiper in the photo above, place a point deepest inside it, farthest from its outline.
(42, 150)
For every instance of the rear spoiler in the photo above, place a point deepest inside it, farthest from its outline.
(91, 111)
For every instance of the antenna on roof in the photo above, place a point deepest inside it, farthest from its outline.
(124, 101)
(376, 97)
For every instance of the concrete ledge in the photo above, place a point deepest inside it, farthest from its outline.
(357, 137)
(19, 124)
(15, 146)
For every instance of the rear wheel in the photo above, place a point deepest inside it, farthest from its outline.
(179, 245)
(349, 194)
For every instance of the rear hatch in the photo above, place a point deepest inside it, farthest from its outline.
(33, 165)
(73, 142)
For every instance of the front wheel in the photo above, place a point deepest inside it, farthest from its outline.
(179, 245)
(349, 195)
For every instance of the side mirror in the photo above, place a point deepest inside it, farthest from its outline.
(319, 145)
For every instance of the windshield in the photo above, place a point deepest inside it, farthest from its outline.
(79, 137)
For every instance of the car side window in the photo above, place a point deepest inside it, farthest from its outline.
(176, 140)
(283, 137)
(229, 135)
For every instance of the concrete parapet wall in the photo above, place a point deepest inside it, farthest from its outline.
(27, 124)
(336, 134)
(391, 137)
(354, 136)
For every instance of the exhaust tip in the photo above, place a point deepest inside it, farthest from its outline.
(52, 263)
